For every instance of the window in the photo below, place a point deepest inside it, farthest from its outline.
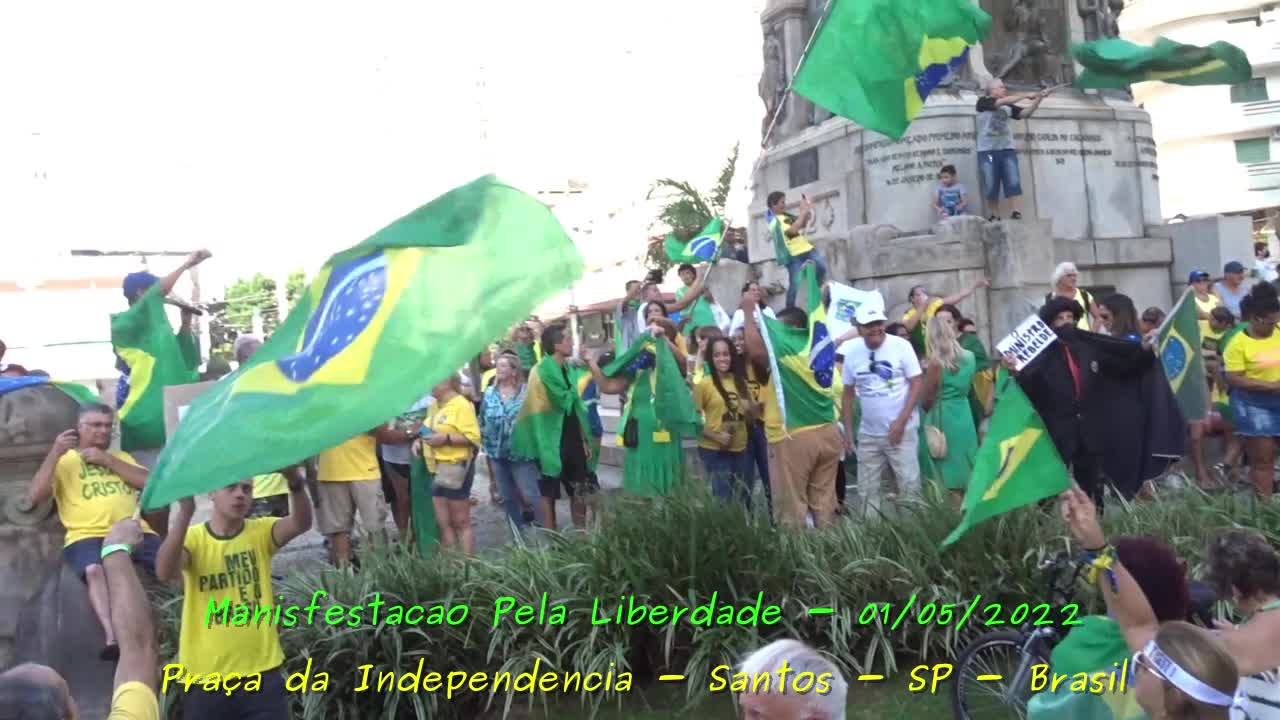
(1253, 150)
(1254, 90)
(803, 167)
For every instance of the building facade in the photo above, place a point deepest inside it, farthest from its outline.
(1219, 146)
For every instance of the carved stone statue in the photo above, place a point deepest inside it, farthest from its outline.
(1091, 12)
(815, 10)
(1028, 52)
(1111, 19)
(773, 83)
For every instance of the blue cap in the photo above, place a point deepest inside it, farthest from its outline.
(137, 283)
(1197, 275)
(1233, 267)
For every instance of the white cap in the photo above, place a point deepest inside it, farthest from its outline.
(867, 314)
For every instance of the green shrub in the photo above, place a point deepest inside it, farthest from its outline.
(680, 551)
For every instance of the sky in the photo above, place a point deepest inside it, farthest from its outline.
(278, 133)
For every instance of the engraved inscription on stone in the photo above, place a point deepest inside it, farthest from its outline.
(915, 159)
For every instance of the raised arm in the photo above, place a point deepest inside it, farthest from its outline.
(130, 611)
(695, 292)
(960, 296)
(298, 521)
(168, 282)
(753, 341)
(172, 557)
(1027, 112)
(42, 482)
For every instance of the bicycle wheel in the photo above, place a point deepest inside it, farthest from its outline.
(997, 657)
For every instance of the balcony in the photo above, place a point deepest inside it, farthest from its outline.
(1259, 115)
(1263, 176)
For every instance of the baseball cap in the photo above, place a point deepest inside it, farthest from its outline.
(867, 314)
(1197, 275)
(1233, 267)
(137, 283)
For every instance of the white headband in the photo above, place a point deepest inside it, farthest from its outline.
(1171, 671)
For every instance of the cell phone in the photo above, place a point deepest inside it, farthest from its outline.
(424, 431)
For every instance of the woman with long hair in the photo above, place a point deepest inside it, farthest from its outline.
(451, 435)
(724, 400)
(517, 476)
(1252, 364)
(1119, 317)
(757, 459)
(945, 401)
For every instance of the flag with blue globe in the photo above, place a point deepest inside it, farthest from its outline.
(704, 247)
(1178, 342)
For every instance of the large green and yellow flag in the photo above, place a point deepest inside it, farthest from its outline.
(156, 357)
(1179, 343)
(876, 61)
(1016, 465)
(803, 358)
(380, 325)
(650, 361)
(551, 395)
(1117, 63)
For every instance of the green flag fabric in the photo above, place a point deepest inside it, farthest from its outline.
(1117, 63)
(1179, 343)
(705, 247)
(550, 396)
(380, 325)
(804, 360)
(672, 401)
(876, 61)
(426, 533)
(1016, 465)
(142, 337)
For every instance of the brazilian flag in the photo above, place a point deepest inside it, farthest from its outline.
(1016, 465)
(703, 248)
(804, 360)
(81, 394)
(156, 358)
(876, 61)
(1179, 344)
(777, 235)
(1118, 63)
(380, 325)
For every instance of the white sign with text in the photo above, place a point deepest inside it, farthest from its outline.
(1027, 341)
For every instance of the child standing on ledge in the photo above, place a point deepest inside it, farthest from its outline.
(950, 198)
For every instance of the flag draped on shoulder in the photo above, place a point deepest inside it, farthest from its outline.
(156, 357)
(876, 61)
(1016, 465)
(550, 397)
(777, 236)
(705, 247)
(379, 325)
(1117, 63)
(803, 360)
(1179, 345)
(650, 360)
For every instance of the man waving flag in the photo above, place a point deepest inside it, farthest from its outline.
(705, 247)
(380, 325)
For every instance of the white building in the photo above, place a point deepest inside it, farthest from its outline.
(1219, 146)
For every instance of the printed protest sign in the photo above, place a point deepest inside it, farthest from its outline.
(845, 301)
(1027, 340)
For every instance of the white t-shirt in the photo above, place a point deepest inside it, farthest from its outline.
(881, 377)
(402, 454)
(740, 319)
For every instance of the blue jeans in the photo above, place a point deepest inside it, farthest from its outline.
(999, 169)
(725, 469)
(519, 479)
(757, 462)
(793, 272)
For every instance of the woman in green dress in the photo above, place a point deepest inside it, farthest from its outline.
(945, 401)
(659, 414)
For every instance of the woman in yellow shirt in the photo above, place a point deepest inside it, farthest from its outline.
(724, 400)
(450, 436)
(1252, 363)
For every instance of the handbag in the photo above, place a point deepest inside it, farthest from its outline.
(933, 435)
(631, 434)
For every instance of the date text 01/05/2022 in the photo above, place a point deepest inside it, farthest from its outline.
(946, 614)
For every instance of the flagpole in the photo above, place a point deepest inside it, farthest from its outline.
(786, 95)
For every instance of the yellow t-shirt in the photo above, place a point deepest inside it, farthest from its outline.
(236, 569)
(90, 498)
(795, 245)
(1255, 359)
(457, 416)
(718, 416)
(774, 430)
(134, 701)
(269, 485)
(485, 377)
(355, 459)
(1208, 336)
(918, 332)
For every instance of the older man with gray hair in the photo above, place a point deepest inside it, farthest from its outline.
(246, 345)
(802, 684)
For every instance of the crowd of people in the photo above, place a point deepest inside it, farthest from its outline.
(905, 404)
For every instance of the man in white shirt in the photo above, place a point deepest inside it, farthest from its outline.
(883, 372)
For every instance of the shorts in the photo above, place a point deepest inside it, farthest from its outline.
(1224, 409)
(88, 551)
(341, 500)
(575, 472)
(453, 473)
(574, 486)
(274, 506)
(999, 169)
(388, 486)
(1255, 414)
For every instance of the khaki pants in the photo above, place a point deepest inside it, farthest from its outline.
(802, 472)
(874, 452)
(341, 500)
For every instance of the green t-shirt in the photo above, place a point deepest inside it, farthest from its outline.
(699, 313)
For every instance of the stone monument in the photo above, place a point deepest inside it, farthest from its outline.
(44, 609)
(1087, 160)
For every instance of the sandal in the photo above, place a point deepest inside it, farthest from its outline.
(1015, 215)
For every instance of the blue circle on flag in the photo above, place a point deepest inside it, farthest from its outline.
(351, 298)
(703, 247)
(1174, 357)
